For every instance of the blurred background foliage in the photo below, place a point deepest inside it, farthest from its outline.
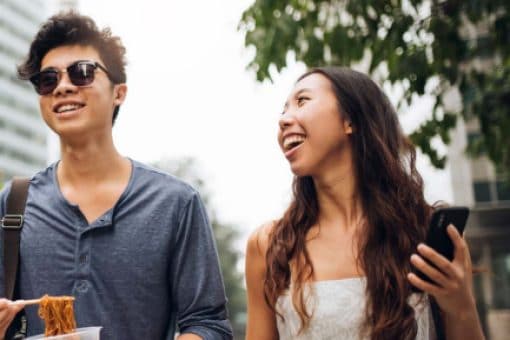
(429, 47)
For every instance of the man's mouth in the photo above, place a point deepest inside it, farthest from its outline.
(68, 107)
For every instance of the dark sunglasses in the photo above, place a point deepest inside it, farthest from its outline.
(81, 73)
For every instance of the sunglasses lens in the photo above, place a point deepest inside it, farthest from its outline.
(45, 82)
(81, 73)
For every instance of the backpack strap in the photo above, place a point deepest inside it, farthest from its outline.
(11, 225)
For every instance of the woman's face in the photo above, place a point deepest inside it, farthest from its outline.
(313, 135)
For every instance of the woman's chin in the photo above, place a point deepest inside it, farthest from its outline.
(299, 171)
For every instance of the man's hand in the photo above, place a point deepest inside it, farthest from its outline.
(8, 311)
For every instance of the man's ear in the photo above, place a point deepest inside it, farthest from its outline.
(119, 93)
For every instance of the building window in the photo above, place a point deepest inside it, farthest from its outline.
(501, 278)
(492, 191)
(482, 191)
(503, 190)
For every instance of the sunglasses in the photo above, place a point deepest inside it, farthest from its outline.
(81, 73)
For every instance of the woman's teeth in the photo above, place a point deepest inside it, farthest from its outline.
(292, 141)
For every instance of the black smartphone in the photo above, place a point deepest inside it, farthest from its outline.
(437, 237)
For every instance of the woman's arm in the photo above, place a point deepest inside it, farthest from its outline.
(452, 287)
(261, 323)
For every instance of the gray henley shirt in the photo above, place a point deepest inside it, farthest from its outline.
(145, 269)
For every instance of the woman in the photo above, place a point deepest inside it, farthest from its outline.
(337, 264)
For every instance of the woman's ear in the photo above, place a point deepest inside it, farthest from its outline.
(347, 127)
(120, 91)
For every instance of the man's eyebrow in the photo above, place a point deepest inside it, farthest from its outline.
(48, 68)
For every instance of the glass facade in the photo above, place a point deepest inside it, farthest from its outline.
(491, 191)
(22, 132)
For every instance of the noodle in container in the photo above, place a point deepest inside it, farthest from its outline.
(58, 315)
(86, 333)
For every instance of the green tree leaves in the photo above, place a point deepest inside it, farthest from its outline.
(463, 44)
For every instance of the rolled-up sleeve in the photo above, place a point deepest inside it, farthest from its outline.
(198, 292)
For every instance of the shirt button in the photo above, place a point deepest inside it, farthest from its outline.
(82, 286)
(83, 259)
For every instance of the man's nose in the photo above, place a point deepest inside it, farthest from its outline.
(64, 85)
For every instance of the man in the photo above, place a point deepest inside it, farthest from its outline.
(132, 244)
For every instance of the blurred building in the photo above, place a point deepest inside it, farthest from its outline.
(22, 131)
(477, 184)
(64, 5)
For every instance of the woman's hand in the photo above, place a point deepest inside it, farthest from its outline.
(8, 311)
(452, 281)
(451, 287)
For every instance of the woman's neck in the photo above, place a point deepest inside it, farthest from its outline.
(338, 197)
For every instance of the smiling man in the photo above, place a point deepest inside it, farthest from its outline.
(132, 244)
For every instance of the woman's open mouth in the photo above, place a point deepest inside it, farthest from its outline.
(291, 143)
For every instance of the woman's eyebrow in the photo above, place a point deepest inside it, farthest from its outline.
(301, 91)
(295, 96)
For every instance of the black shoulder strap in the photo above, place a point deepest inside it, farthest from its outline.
(11, 225)
(438, 320)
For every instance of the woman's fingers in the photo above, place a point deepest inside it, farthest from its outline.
(459, 244)
(441, 262)
(425, 286)
(435, 275)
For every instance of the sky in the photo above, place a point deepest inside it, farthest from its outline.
(190, 95)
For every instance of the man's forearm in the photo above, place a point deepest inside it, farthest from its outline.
(189, 336)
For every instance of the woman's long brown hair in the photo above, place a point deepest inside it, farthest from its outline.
(395, 212)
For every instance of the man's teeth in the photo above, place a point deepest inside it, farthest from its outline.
(292, 141)
(68, 107)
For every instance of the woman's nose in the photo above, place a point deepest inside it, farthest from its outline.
(286, 120)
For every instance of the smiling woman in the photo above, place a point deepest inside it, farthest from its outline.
(337, 264)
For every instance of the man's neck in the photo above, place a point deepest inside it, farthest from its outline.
(91, 162)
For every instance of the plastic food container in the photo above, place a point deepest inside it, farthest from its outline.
(86, 333)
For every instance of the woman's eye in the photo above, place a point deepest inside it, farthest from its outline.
(301, 100)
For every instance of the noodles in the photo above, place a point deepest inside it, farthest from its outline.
(58, 314)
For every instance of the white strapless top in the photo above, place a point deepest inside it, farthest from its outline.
(338, 311)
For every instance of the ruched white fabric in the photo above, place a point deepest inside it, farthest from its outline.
(338, 311)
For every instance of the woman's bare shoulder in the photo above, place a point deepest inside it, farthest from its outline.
(258, 241)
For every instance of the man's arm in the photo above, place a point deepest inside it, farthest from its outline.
(195, 277)
(189, 336)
